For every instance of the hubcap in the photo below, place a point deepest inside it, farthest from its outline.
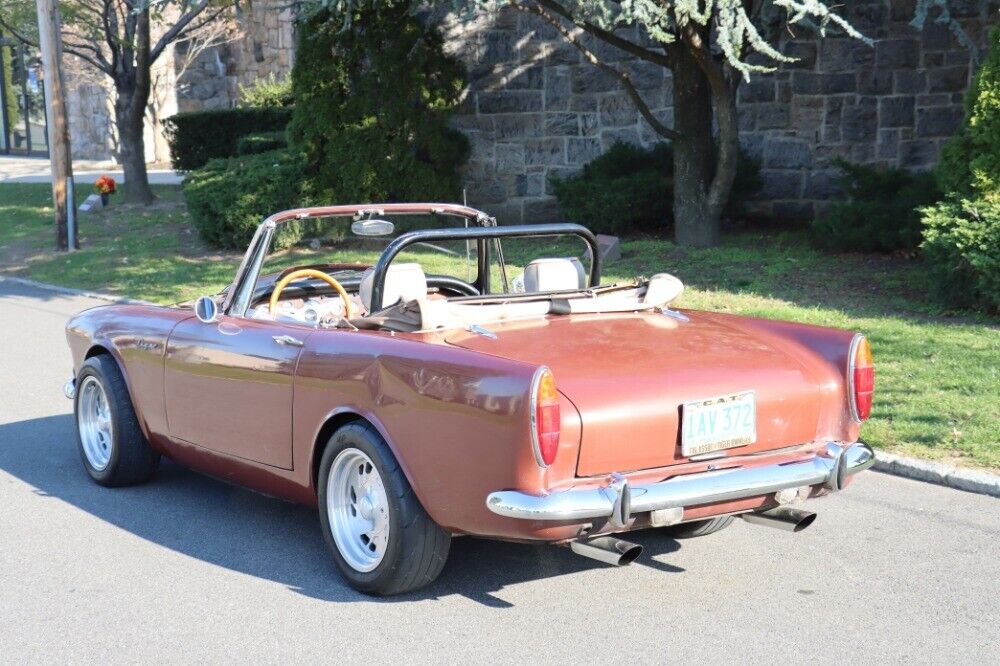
(358, 510)
(94, 421)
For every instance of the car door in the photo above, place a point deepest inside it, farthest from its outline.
(228, 386)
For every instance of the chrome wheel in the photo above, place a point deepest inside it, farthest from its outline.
(93, 419)
(358, 510)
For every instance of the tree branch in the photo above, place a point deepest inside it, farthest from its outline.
(18, 36)
(592, 58)
(177, 30)
(661, 59)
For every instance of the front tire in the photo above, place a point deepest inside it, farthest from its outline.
(113, 449)
(380, 537)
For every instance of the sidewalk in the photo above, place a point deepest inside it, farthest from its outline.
(17, 169)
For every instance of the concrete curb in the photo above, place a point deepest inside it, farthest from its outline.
(973, 481)
(69, 291)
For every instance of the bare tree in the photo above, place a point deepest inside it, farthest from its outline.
(123, 39)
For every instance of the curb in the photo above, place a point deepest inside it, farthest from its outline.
(973, 481)
(69, 291)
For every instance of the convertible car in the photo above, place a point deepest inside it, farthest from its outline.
(451, 384)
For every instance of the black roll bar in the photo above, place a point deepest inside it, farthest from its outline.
(481, 233)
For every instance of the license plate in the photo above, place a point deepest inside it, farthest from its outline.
(718, 423)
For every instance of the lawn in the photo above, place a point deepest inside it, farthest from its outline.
(938, 373)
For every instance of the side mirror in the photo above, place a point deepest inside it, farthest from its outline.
(206, 310)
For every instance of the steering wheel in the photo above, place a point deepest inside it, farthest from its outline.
(313, 273)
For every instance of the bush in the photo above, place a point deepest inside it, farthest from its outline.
(251, 144)
(630, 188)
(270, 92)
(962, 246)
(372, 121)
(970, 161)
(199, 136)
(229, 198)
(881, 213)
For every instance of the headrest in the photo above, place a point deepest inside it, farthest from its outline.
(554, 275)
(662, 289)
(403, 282)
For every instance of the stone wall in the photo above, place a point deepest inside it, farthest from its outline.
(536, 110)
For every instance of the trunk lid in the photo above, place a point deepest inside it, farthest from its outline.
(628, 375)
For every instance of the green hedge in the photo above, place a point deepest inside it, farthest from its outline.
(251, 144)
(881, 213)
(199, 136)
(962, 246)
(229, 198)
(630, 188)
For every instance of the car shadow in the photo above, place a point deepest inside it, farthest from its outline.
(261, 536)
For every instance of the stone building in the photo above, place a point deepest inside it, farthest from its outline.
(535, 109)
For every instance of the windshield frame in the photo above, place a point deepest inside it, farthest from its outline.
(240, 292)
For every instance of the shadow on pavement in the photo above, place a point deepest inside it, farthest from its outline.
(261, 536)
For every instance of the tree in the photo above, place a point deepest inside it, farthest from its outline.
(122, 39)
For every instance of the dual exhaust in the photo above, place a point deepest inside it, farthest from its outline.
(618, 552)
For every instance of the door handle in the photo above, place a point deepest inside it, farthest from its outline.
(287, 340)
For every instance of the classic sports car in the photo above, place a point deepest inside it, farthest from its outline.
(413, 405)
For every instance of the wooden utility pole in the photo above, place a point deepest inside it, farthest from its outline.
(60, 155)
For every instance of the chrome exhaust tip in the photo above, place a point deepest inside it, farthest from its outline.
(607, 549)
(783, 518)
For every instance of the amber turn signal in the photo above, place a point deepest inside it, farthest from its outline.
(545, 417)
(861, 378)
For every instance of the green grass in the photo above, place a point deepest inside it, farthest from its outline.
(937, 373)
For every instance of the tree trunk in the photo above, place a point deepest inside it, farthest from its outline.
(132, 85)
(695, 223)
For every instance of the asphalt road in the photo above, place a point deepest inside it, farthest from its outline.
(188, 569)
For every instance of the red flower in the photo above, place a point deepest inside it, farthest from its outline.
(104, 185)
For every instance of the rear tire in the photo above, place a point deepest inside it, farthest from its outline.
(699, 528)
(113, 449)
(380, 537)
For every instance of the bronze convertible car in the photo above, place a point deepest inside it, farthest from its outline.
(417, 400)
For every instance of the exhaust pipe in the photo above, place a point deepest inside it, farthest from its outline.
(608, 549)
(783, 518)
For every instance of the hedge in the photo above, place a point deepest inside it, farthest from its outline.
(199, 136)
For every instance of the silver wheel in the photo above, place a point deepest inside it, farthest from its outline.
(358, 510)
(94, 421)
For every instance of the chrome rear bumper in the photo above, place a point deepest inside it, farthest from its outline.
(618, 500)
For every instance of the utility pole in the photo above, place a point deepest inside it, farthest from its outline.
(60, 155)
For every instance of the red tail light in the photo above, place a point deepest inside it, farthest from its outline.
(545, 417)
(861, 378)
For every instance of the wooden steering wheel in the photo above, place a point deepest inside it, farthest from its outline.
(313, 273)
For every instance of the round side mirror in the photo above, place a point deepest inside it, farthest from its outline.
(206, 310)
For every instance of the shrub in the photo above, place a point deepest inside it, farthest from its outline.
(372, 121)
(229, 198)
(267, 92)
(199, 136)
(630, 188)
(970, 161)
(881, 213)
(962, 246)
(251, 144)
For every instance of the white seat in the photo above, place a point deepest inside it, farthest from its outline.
(403, 282)
(554, 275)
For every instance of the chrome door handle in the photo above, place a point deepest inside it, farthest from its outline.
(288, 340)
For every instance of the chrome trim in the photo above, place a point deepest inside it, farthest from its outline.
(687, 490)
(783, 518)
(481, 331)
(851, 355)
(69, 388)
(288, 340)
(608, 549)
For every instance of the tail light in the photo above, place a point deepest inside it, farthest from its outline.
(545, 417)
(861, 378)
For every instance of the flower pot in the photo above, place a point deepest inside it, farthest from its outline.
(104, 199)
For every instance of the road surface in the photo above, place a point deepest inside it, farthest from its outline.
(189, 569)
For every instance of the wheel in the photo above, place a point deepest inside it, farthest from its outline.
(381, 539)
(112, 446)
(699, 528)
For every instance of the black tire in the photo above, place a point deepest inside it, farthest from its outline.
(699, 528)
(417, 547)
(132, 459)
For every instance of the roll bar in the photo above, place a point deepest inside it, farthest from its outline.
(480, 233)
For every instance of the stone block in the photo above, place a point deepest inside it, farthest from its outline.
(787, 154)
(909, 82)
(948, 79)
(897, 53)
(780, 184)
(888, 144)
(539, 211)
(832, 83)
(646, 75)
(610, 137)
(530, 185)
(558, 89)
(917, 153)
(590, 124)
(498, 46)
(510, 101)
(517, 126)
(896, 111)
(938, 121)
(759, 89)
(509, 157)
(773, 116)
(593, 80)
(935, 99)
(562, 124)
(874, 82)
(587, 102)
(581, 151)
(617, 110)
(91, 204)
(804, 52)
(824, 184)
(544, 152)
